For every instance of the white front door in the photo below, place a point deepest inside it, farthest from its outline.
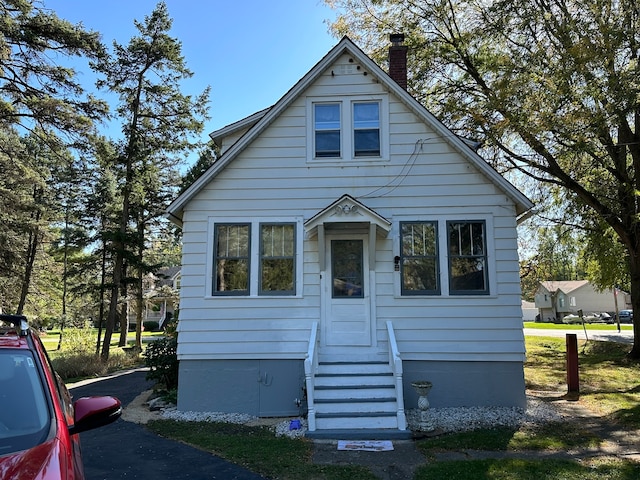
(347, 307)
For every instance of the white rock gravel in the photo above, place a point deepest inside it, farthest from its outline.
(443, 420)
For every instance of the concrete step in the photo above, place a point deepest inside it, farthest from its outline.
(357, 407)
(345, 421)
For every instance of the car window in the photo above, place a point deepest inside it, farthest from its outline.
(24, 411)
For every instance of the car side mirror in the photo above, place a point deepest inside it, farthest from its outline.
(94, 412)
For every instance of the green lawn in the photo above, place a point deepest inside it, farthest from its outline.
(609, 383)
(590, 326)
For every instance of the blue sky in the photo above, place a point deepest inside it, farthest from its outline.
(250, 52)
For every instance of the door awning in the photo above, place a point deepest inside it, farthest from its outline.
(347, 212)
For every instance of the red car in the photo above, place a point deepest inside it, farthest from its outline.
(39, 425)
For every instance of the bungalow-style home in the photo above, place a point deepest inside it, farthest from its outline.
(556, 299)
(160, 298)
(344, 246)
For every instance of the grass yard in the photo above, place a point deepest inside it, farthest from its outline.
(76, 359)
(609, 381)
(590, 326)
(610, 384)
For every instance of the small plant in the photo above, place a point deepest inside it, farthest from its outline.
(162, 359)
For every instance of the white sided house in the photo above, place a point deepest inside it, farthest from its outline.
(343, 246)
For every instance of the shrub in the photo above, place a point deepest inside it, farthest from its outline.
(162, 359)
(150, 326)
(78, 340)
(88, 364)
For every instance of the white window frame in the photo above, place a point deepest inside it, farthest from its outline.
(254, 256)
(347, 154)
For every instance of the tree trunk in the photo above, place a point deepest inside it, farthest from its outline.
(103, 279)
(32, 250)
(119, 265)
(139, 285)
(113, 307)
(124, 323)
(634, 269)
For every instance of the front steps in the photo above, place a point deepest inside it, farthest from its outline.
(356, 400)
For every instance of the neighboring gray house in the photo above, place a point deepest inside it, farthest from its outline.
(556, 299)
(344, 245)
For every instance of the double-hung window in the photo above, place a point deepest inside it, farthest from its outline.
(352, 128)
(239, 247)
(232, 247)
(366, 129)
(277, 259)
(327, 124)
(467, 258)
(419, 258)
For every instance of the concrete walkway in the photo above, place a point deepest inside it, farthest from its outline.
(402, 462)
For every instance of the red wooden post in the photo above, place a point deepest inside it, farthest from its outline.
(573, 381)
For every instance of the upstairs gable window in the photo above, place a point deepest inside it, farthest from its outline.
(352, 128)
(327, 130)
(366, 129)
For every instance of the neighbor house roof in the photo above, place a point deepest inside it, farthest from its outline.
(565, 286)
(259, 121)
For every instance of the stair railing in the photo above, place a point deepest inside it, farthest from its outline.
(395, 362)
(310, 369)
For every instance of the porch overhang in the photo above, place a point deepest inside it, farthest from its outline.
(350, 216)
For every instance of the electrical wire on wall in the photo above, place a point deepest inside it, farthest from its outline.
(404, 172)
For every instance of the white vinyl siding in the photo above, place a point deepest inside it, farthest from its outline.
(275, 179)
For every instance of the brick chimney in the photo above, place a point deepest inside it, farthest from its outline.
(398, 59)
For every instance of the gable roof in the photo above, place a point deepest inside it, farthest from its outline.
(347, 210)
(265, 117)
(565, 286)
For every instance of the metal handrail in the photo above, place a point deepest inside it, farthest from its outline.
(310, 368)
(395, 362)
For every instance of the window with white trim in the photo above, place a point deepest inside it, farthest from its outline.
(327, 126)
(467, 258)
(366, 129)
(254, 259)
(419, 258)
(232, 246)
(277, 259)
(352, 128)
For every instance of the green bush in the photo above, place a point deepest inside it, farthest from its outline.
(150, 326)
(162, 359)
(78, 340)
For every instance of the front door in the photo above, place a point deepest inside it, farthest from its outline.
(347, 312)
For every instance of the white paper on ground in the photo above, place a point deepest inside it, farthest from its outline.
(366, 445)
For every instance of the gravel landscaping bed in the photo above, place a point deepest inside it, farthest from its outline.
(444, 420)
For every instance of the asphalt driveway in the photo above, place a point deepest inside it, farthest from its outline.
(125, 450)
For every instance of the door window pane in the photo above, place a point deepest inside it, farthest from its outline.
(347, 268)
